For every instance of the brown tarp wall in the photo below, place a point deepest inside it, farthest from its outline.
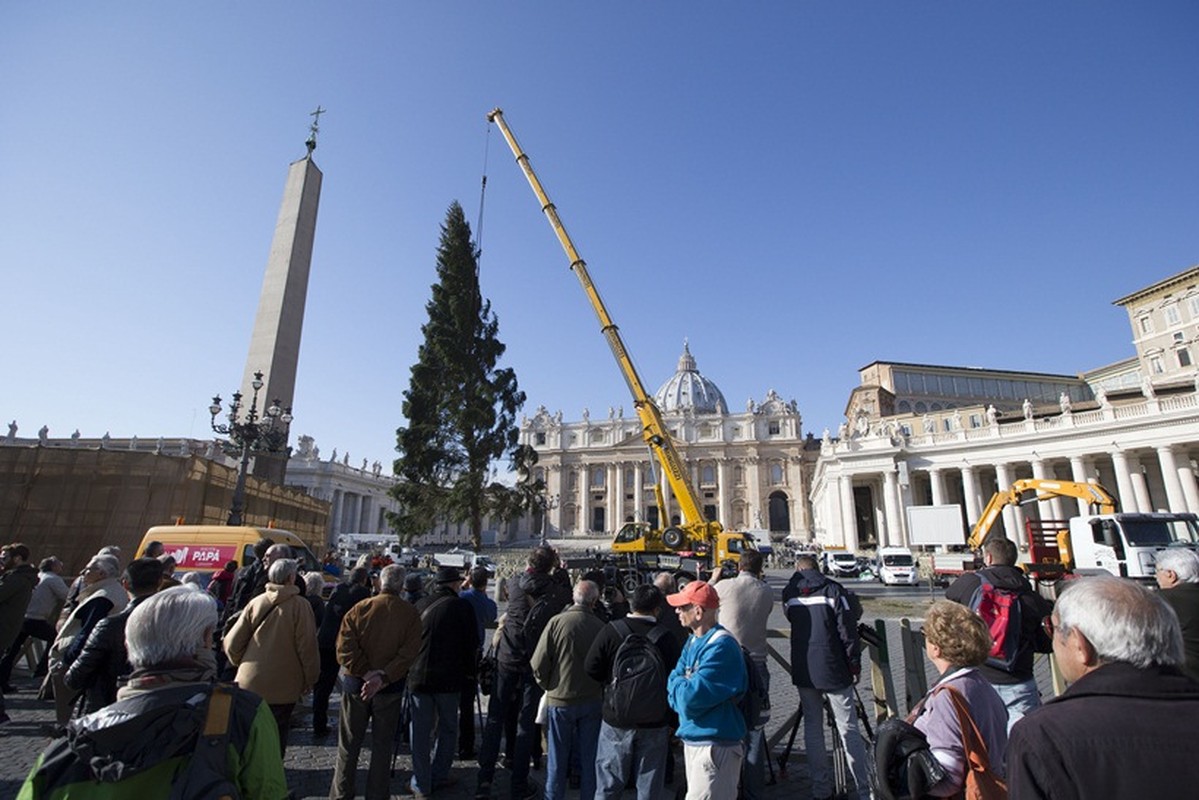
(70, 502)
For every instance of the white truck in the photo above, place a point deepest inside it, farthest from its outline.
(464, 560)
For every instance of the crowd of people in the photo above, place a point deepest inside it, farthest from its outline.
(167, 681)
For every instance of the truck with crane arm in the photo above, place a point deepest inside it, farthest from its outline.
(695, 545)
(1104, 540)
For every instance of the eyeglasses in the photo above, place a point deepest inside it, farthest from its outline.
(1048, 626)
(682, 609)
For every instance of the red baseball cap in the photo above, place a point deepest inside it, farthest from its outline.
(699, 593)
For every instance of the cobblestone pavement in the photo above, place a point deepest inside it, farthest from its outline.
(310, 762)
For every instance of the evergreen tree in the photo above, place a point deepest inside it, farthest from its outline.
(461, 408)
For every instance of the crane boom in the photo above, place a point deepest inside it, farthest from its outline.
(654, 431)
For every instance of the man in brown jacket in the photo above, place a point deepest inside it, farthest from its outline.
(378, 641)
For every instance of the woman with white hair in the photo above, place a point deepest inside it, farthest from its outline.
(1177, 573)
(101, 596)
(144, 744)
(273, 645)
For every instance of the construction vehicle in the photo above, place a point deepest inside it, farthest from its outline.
(1104, 541)
(703, 543)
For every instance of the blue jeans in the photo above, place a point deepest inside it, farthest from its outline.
(572, 726)
(512, 690)
(1020, 698)
(433, 757)
(641, 749)
(753, 770)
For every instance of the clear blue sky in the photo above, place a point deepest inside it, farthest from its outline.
(796, 188)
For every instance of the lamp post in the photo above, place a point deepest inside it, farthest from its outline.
(249, 435)
(548, 503)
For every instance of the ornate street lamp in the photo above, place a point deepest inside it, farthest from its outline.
(547, 503)
(248, 436)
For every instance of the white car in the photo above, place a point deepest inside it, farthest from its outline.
(897, 567)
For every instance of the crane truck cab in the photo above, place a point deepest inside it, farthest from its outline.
(1125, 545)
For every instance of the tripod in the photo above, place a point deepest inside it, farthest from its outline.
(840, 763)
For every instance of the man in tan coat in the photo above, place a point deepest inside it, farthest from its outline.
(273, 645)
(378, 641)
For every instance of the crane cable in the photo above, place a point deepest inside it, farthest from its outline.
(482, 198)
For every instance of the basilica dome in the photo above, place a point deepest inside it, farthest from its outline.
(687, 390)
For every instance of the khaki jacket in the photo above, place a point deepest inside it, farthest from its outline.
(273, 645)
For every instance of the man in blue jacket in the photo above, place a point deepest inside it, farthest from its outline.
(825, 663)
(703, 690)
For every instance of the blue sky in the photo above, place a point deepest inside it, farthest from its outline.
(796, 188)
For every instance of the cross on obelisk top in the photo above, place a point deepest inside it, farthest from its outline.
(314, 129)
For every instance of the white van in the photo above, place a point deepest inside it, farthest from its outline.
(897, 567)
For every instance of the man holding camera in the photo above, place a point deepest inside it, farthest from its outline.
(825, 664)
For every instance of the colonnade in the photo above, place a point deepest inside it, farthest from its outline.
(1146, 479)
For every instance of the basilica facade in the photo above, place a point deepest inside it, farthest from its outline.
(751, 469)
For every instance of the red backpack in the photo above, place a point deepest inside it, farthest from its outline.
(999, 608)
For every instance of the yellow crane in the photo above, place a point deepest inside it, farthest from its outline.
(695, 533)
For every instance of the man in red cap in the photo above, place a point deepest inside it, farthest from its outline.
(703, 690)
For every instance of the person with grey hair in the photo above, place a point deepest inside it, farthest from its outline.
(1177, 573)
(102, 596)
(273, 645)
(573, 697)
(1118, 729)
(45, 604)
(377, 643)
(144, 744)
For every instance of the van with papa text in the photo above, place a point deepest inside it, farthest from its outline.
(207, 548)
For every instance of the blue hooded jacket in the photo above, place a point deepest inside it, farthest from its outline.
(704, 688)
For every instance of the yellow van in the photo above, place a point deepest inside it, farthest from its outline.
(207, 548)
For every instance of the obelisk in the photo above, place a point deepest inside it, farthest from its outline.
(275, 343)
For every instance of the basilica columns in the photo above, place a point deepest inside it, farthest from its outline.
(1128, 499)
(849, 525)
(892, 509)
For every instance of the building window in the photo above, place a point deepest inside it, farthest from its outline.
(1172, 315)
(1195, 306)
(574, 438)
(904, 407)
(572, 480)
(975, 421)
(772, 427)
(597, 477)
(776, 474)
(539, 474)
(1184, 357)
(707, 475)
(738, 476)
(540, 438)
(1177, 337)
(1155, 365)
(597, 437)
(629, 478)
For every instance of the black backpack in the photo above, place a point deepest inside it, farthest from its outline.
(536, 618)
(636, 694)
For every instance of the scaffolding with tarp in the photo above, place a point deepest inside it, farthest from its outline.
(71, 501)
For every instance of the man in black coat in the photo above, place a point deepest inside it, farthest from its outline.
(1177, 573)
(103, 660)
(639, 752)
(1123, 726)
(514, 684)
(825, 664)
(1016, 686)
(355, 589)
(446, 663)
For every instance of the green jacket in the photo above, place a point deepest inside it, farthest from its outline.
(559, 662)
(139, 747)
